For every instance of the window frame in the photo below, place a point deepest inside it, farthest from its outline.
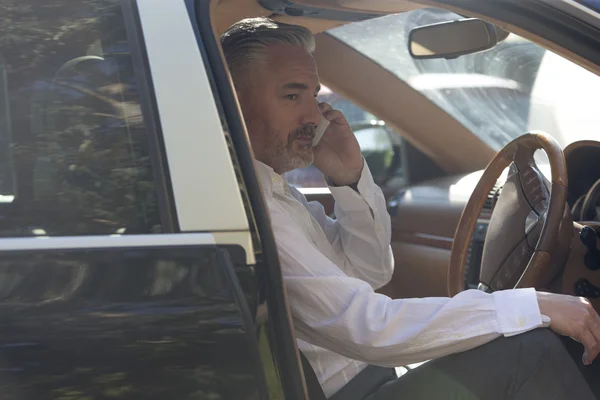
(280, 322)
(156, 144)
(189, 121)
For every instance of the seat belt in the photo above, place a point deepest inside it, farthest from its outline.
(315, 391)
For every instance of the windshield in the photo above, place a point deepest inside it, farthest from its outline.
(499, 94)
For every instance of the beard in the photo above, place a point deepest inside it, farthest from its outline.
(291, 154)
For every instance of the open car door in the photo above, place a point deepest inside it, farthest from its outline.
(128, 252)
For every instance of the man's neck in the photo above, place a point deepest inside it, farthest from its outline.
(277, 169)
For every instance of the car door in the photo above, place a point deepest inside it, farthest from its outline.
(127, 262)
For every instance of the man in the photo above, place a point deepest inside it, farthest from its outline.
(477, 341)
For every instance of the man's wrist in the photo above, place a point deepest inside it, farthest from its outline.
(332, 183)
(348, 179)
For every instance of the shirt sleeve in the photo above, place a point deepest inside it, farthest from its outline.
(344, 314)
(361, 230)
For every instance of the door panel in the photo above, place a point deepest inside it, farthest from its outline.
(420, 271)
(152, 322)
(424, 220)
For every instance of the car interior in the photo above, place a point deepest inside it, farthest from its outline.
(465, 121)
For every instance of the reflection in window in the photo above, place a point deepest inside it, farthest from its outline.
(80, 160)
(143, 323)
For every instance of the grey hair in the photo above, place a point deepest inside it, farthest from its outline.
(247, 40)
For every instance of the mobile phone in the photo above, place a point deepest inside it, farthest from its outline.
(321, 128)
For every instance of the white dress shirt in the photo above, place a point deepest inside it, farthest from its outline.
(332, 268)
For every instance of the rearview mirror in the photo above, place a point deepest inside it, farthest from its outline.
(452, 39)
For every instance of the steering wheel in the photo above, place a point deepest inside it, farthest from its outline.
(527, 223)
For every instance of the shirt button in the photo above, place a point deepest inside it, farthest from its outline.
(521, 322)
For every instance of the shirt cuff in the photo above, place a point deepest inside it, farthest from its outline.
(518, 311)
(351, 200)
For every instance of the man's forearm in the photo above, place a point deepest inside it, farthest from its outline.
(364, 230)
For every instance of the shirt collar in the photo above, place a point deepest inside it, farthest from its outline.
(270, 181)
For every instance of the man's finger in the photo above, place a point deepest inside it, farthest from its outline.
(594, 326)
(591, 346)
(324, 107)
(335, 116)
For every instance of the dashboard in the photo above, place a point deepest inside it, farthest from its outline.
(425, 217)
(583, 167)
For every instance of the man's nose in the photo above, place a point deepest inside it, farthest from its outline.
(312, 114)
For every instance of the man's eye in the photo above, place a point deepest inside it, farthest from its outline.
(292, 97)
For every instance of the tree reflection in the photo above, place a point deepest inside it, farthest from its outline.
(115, 336)
(79, 144)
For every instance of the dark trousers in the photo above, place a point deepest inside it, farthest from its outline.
(531, 366)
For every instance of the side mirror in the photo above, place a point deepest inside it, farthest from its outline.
(453, 39)
(376, 147)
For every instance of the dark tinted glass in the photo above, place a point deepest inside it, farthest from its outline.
(126, 324)
(74, 156)
(594, 4)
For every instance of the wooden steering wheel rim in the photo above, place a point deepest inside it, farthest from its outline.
(558, 198)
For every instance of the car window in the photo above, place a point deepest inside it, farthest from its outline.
(498, 94)
(377, 142)
(132, 322)
(74, 154)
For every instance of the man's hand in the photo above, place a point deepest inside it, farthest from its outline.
(338, 153)
(574, 317)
